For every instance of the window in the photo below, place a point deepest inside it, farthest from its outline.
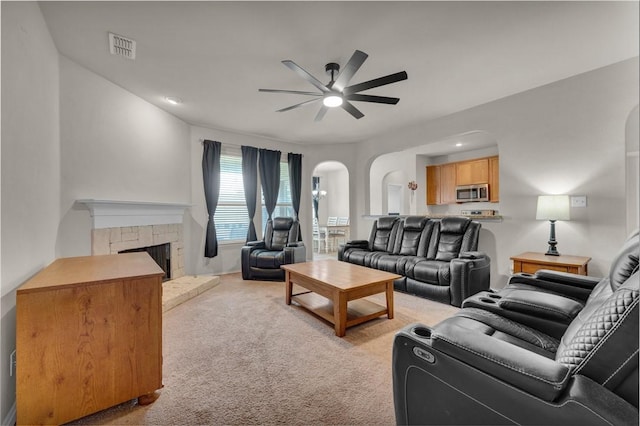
(232, 219)
(284, 205)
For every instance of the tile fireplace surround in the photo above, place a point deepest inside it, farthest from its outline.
(124, 225)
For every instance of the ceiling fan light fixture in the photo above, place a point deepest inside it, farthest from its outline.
(333, 100)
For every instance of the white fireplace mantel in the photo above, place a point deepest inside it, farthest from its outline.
(115, 214)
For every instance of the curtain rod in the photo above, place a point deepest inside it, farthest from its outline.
(224, 143)
(232, 144)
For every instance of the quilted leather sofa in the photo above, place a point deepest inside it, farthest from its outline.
(437, 258)
(261, 260)
(550, 300)
(482, 367)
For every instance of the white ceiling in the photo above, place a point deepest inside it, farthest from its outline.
(216, 55)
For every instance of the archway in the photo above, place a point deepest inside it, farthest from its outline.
(330, 190)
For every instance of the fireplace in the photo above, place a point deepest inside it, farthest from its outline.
(161, 253)
(120, 226)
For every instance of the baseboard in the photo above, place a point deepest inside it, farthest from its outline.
(10, 420)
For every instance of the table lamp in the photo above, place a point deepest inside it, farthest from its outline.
(552, 208)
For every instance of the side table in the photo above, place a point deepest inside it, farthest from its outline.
(530, 262)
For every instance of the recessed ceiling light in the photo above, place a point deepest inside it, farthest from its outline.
(459, 144)
(172, 100)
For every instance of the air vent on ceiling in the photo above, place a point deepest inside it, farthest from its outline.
(122, 46)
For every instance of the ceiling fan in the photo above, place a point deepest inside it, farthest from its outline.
(336, 92)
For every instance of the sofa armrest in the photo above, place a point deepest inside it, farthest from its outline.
(583, 281)
(571, 285)
(470, 274)
(295, 253)
(472, 255)
(255, 244)
(245, 257)
(524, 369)
(360, 244)
(357, 243)
(542, 305)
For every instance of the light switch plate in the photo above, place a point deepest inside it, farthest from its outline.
(578, 201)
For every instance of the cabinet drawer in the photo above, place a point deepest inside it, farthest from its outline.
(531, 268)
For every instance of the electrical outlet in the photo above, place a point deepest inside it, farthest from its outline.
(578, 201)
(12, 363)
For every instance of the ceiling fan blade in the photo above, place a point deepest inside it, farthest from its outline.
(321, 113)
(302, 73)
(295, 92)
(371, 98)
(347, 106)
(377, 82)
(298, 105)
(354, 64)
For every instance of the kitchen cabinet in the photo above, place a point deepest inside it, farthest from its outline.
(441, 184)
(472, 172)
(433, 185)
(447, 184)
(442, 179)
(494, 179)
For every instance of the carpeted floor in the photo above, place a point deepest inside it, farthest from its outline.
(237, 354)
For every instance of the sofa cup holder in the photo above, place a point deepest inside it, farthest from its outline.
(487, 300)
(422, 331)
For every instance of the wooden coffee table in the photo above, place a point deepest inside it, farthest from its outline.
(340, 283)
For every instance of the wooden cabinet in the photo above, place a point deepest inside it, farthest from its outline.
(433, 185)
(472, 172)
(494, 179)
(442, 179)
(441, 184)
(530, 262)
(448, 184)
(88, 336)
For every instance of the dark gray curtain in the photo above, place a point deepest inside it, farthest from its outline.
(270, 176)
(250, 180)
(316, 198)
(211, 176)
(295, 181)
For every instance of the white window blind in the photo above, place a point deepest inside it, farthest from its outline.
(232, 220)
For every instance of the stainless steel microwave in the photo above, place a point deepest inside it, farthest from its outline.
(468, 193)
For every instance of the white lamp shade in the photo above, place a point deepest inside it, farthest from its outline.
(553, 207)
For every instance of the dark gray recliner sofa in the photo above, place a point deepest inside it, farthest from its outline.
(437, 258)
(480, 367)
(261, 260)
(550, 300)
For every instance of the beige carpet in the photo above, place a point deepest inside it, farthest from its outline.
(236, 354)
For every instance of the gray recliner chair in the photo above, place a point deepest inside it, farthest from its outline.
(261, 260)
(480, 367)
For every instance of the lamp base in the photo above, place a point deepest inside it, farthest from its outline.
(552, 251)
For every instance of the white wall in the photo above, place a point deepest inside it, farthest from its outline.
(565, 137)
(115, 146)
(30, 165)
